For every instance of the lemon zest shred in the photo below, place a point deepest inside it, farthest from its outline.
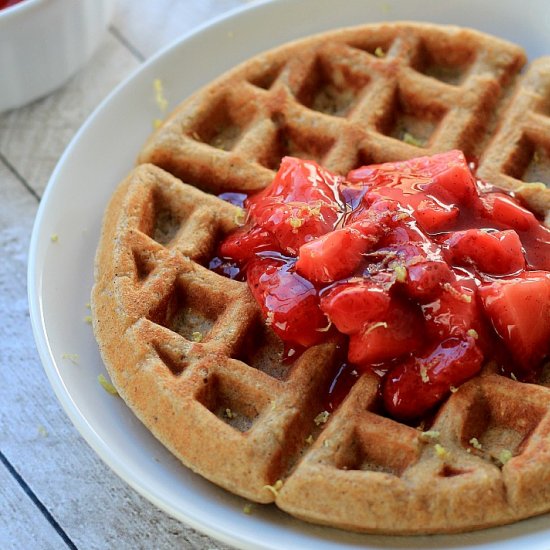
(411, 140)
(504, 456)
(106, 385)
(379, 324)
(314, 211)
(473, 333)
(400, 273)
(325, 329)
(459, 295)
(275, 488)
(321, 418)
(309, 439)
(424, 374)
(440, 451)
(72, 357)
(88, 319)
(247, 508)
(379, 52)
(240, 217)
(228, 413)
(474, 442)
(196, 336)
(295, 222)
(159, 95)
(385, 7)
(397, 218)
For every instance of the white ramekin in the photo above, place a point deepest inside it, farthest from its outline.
(44, 42)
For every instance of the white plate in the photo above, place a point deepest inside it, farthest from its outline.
(60, 274)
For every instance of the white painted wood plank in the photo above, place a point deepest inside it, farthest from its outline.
(21, 526)
(151, 25)
(92, 505)
(34, 137)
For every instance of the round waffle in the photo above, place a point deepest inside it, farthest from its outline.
(188, 350)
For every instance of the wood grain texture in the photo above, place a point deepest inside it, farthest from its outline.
(22, 527)
(74, 493)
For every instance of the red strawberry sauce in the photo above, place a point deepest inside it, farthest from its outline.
(421, 271)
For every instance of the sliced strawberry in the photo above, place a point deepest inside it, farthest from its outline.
(245, 242)
(301, 203)
(338, 254)
(351, 306)
(519, 310)
(416, 262)
(455, 185)
(299, 180)
(412, 388)
(445, 176)
(290, 303)
(537, 248)
(373, 210)
(435, 217)
(456, 312)
(397, 333)
(506, 211)
(424, 279)
(295, 223)
(407, 231)
(333, 256)
(497, 252)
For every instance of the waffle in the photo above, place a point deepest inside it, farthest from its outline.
(188, 350)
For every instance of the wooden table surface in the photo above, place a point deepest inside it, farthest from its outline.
(54, 490)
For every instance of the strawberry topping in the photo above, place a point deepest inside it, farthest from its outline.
(427, 271)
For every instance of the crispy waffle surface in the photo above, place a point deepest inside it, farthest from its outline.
(188, 350)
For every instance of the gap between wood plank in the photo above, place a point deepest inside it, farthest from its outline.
(30, 493)
(125, 42)
(19, 177)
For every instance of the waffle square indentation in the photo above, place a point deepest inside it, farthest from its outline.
(237, 405)
(188, 312)
(372, 449)
(297, 141)
(496, 427)
(410, 119)
(448, 63)
(331, 88)
(222, 125)
(264, 351)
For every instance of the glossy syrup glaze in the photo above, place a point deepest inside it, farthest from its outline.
(420, 271)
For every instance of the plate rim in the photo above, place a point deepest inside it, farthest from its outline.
(34, 295)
